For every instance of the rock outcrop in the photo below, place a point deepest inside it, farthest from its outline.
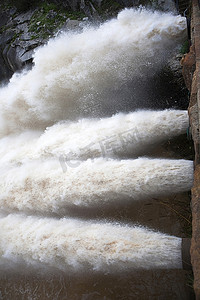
(188, 63)
(21, 33)
(195, 248)
(191, 72)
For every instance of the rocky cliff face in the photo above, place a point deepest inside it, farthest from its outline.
(22, 32)
(191, 72)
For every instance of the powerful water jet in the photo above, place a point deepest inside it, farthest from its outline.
(121, 135)
(78, 75)
(43, 186)
(72, 245)
(43, 119)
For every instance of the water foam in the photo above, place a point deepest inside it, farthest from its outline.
(121, 135)
(74, 75)
(72, 245)
(43, 186)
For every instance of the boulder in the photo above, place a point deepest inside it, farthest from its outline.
(6, 37)
(24, 17)
(4, 17)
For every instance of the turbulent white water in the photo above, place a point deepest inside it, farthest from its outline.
(42, 186)
(74, 74)
(53, 158)
(71, 244)
(120, 135)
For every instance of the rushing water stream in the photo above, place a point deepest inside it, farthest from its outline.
(69, 140)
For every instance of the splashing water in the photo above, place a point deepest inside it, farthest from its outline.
(120, 135)
(75, 74)
(72, 245)
(79, 75)
(44, 187)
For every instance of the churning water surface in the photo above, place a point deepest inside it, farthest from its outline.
(70, 138)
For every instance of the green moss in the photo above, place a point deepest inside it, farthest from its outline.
(190, 280)
(107, 4)
(185, 47)
(48, 18)
(108, 8)
(33, 37)
(15, 37)
(48, 6)
(3, 29)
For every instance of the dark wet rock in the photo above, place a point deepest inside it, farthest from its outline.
(4, 71)
(127, 3)
(74, 4)
(71, 25)
(24, 17)
(4, 17)
(11, 23)
(195, 248)
(167, 5)
(12, 57)
(98, 2)
(86, 11)
(27, 57)
(16, 42)
(6, 37)
(52, 14)
(22, 28)
(26, 44)
(12, 11)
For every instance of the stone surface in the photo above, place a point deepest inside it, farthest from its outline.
(71, 25)
(4, 17)
(191, 72)
(12, 57)
(23, 27)
(73, 4)
(6, 37)
(195, 248)
(27, 57)
(24, 17)
(5, 72)
(188, 62)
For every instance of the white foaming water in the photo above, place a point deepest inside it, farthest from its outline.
(74, 76)
(75, 73)
(44, 187)
(120, 135)
(71, 245)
